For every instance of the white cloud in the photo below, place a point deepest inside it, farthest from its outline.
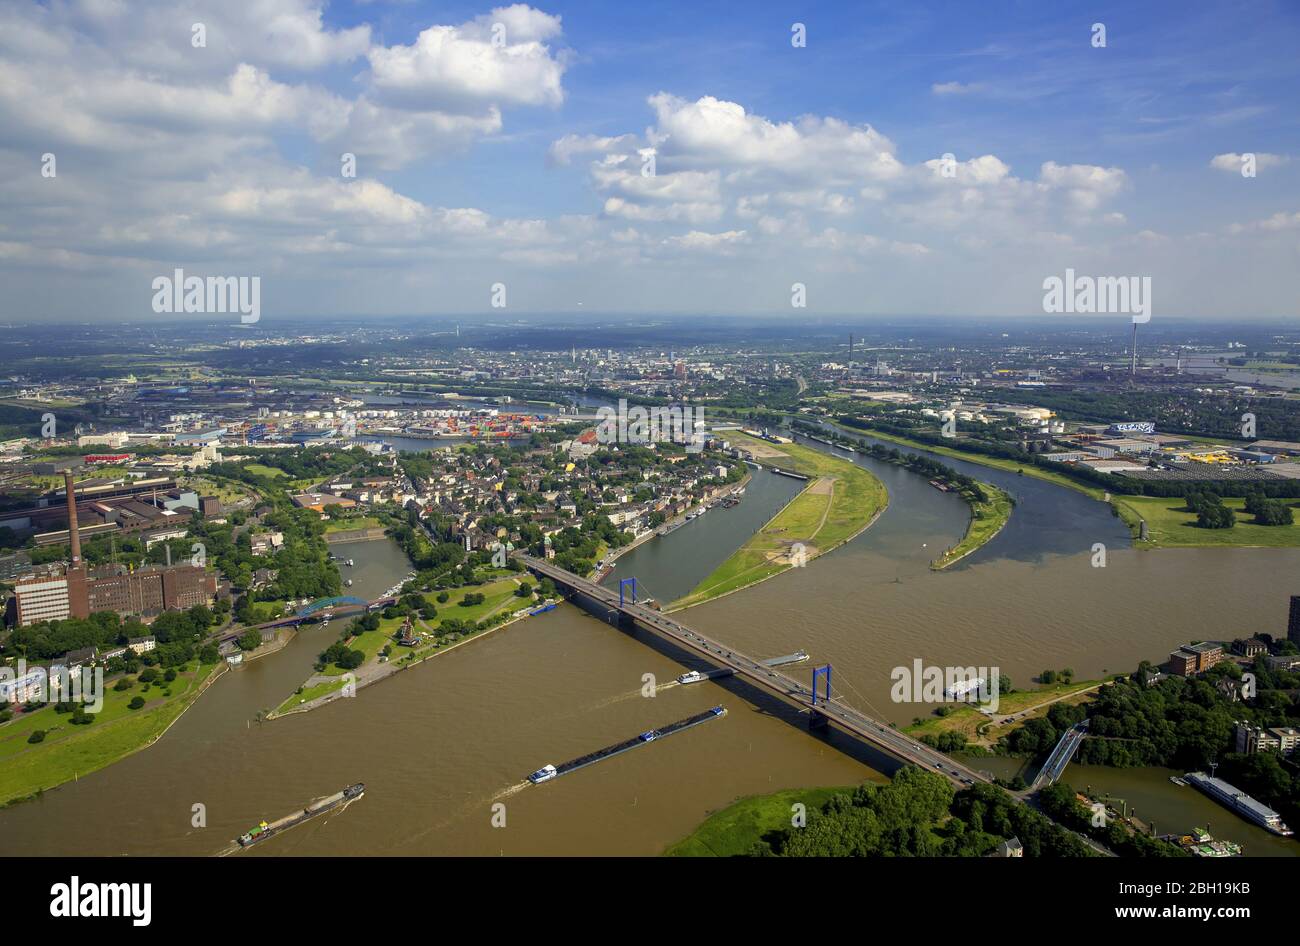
(716, 242)
(461, 68)
(1233, 163)
(953, 88)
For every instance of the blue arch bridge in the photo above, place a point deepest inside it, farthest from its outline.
(328, 604)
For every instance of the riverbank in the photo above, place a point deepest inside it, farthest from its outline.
(840, 501)
(364, 534)
(67, 752)
(658, 532)
(735, 830)
(1171, 526)
(997, 463)
(983, 730)
(329, 685)
(987, 519)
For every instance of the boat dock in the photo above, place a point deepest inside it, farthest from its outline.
(794, 476)
(600, 755)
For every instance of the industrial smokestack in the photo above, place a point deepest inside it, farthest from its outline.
(1133, 362)
(74, 535)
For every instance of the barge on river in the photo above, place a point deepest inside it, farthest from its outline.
(318, 807)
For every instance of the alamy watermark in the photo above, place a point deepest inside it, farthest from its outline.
(640, 425)
(181, 293)
(1130, 295)
(980, 686)
(59, 684)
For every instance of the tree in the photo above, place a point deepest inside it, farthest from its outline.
(136, 703)
(1273, 512)
(1215, 517)
(38, 735)
(251, 639)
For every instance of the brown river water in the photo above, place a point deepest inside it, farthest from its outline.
(440, 745)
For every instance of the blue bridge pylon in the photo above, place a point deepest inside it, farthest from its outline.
(822, 673)
(622, 582)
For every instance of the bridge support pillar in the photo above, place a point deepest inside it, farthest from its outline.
(817, 720)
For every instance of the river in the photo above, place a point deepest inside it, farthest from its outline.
(440, 744)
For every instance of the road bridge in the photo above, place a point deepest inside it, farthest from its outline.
(822, 710)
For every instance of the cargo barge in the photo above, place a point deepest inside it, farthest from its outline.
(799, 656)
(1234, 798)
(319, 807)
(548, 772)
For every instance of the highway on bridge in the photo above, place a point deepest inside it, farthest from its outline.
(871, 730)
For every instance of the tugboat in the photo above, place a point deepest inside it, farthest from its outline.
(544, 774)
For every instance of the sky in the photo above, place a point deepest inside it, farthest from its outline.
(890, 159)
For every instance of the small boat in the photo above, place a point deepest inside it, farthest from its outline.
(962, 688)
(691, 676)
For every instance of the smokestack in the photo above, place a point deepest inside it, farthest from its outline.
(74, 535)
(1133, 363)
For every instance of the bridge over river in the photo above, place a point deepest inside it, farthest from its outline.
(822, 710)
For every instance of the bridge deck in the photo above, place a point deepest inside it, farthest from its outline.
(1061, 755)
(854, 721)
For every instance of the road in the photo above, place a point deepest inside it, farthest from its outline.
(873, 731)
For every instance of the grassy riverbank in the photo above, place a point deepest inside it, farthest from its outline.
(840, 500)
(986, 520)
(498, 596)
(998, 463)
(69, 751)
(983, 730)
(734, 830)
(1170, 525)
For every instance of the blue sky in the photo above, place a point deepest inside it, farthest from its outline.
(517, 163)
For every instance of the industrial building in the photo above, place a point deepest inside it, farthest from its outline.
(75, 591)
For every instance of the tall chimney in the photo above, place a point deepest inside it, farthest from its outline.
(74, 535)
